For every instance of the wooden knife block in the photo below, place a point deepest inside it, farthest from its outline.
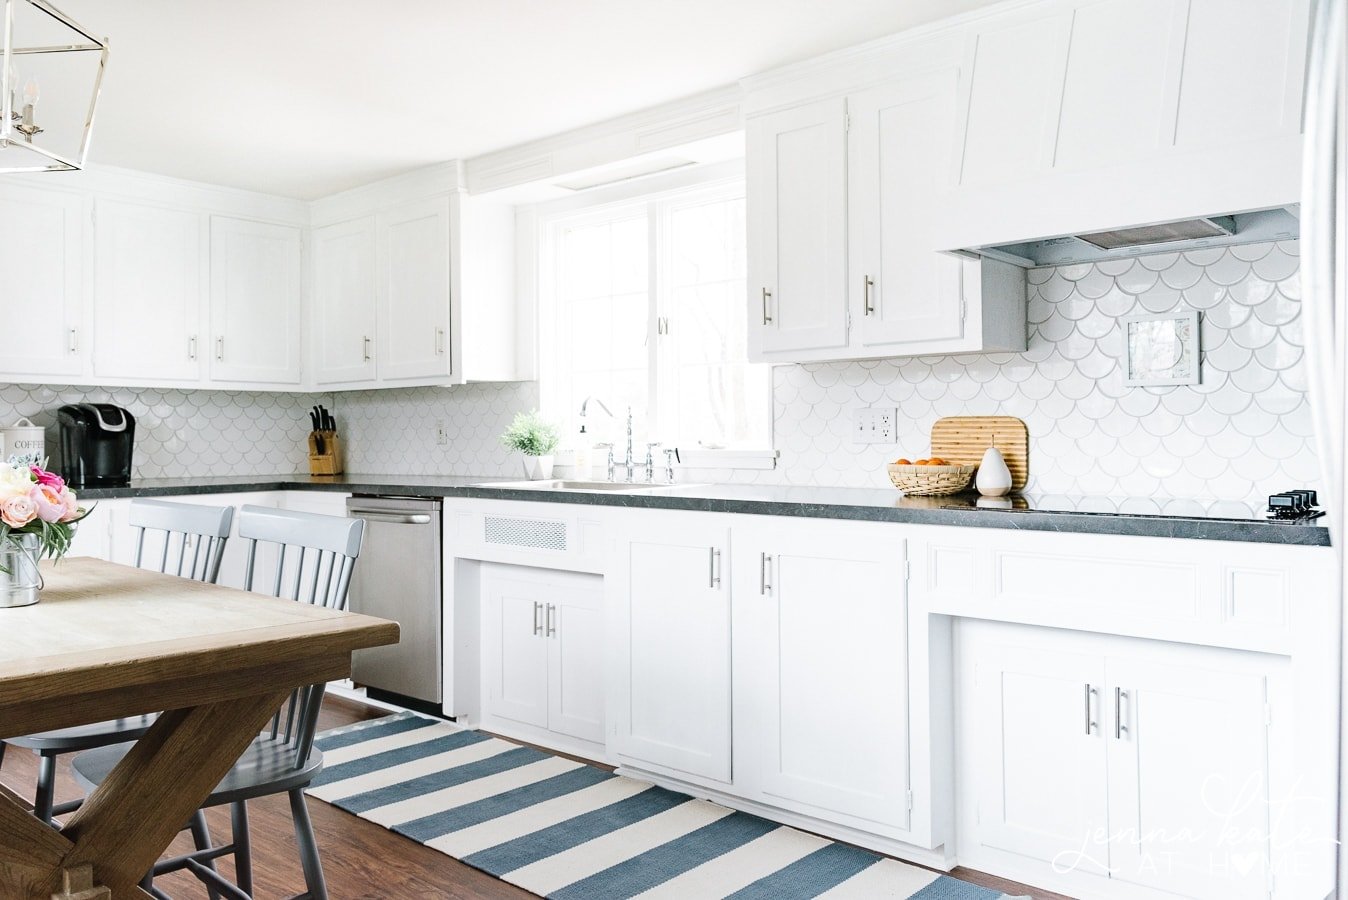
(329, 462)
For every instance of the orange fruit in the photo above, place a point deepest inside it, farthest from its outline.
(922, 462)
(937, 461)
(902, 462)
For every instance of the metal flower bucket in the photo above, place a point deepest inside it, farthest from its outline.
(20, 579)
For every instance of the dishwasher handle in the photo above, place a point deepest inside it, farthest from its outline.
(394, 518)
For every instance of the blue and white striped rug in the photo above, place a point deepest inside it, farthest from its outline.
(563, 829)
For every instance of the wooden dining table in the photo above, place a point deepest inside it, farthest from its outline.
(108, 641)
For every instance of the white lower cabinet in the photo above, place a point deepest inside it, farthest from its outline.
(542, 658)
(1104, 766)
(669, 660)
(821, 670)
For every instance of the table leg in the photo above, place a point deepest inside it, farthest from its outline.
(130, 818)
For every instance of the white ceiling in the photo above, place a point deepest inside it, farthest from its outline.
(308, 97)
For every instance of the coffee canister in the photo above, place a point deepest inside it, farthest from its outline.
(23, 443)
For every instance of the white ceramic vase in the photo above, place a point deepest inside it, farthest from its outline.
(538, 468)
(993, 478)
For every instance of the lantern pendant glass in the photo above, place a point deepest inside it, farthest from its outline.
(51, 70)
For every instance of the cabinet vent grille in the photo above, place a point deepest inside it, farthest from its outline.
(540, 534)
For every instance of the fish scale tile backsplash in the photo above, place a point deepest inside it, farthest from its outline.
(1243, 432)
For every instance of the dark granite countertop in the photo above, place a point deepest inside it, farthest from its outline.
(1188, 519)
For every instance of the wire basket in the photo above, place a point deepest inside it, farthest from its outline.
(931, 481)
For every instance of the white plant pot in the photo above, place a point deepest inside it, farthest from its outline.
(538, 468)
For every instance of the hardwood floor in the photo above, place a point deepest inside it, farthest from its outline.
(361, 860)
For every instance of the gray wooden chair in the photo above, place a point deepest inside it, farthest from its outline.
(313, 559)
(193, 543)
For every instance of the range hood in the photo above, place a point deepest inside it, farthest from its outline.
(1279, 224)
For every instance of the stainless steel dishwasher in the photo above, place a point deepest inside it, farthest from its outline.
(398, 577)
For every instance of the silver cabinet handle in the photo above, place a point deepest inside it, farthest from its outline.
(74, 340)
(439, 341)
(220, 348)
(375, 515)
(192, 347)
(1119, 727)
(538, 622)
(868, 308)
(714, 575)
(1090, 722)
(767, 313)
(552, 625)
(366, 349)
(763, 585)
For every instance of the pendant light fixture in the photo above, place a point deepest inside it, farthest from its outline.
(51, 69)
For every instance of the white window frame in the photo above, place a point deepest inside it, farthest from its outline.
(658, 195)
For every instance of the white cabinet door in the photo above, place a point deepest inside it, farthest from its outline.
(255, 302)
(515, 655)
(670, 647)
(1189, 774)
(797, 218)
(1038, 745)
(413, 321)
(343, 331)
(148, 292)
(41, 254)
(820, 624)
(899, 147)
(574, 624)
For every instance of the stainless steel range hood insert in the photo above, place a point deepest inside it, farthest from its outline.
(1279, 224)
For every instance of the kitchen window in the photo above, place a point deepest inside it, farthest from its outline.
(644, 307)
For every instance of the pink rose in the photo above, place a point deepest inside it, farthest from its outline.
(50, 505)
(51, 479)
(17, 511)
(72, 508)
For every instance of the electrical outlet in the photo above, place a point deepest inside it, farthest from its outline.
(874, 425)
(441, 435)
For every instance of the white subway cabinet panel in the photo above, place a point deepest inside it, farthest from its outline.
(41, 254)
(899, 145)
(255, 302)
(820, 624)
(543, 652)
(1038, 748)
(149, 288)
(413, 311)
(1098, 765)
(1190, 752)
(797, 213)
(343, 321)
(670, 677)
(515, 655)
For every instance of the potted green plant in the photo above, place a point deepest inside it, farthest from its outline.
(536, 438)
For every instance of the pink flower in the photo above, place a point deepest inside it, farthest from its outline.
(51, 479)
(17, 511)
(50, 505)
(72, 508)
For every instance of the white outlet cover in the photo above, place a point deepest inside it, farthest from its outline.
(874, 425)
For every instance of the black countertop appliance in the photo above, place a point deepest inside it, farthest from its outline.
(96, 443)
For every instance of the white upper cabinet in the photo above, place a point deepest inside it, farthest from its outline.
(1085, 115)
(902, 292)
(342, 331)
(797, 215)
(255, 302)
(414, 303)
(842, 191)
(41, 254)
(149, 267)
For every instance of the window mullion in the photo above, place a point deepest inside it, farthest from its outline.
(657, 422)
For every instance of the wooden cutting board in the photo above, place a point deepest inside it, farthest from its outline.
(963, 440)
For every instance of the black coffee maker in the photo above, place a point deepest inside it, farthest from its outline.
(96, 442)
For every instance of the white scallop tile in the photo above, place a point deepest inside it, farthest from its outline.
(1182, 274)
(1158, 262)
(1276, 266)
(1137, 280)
